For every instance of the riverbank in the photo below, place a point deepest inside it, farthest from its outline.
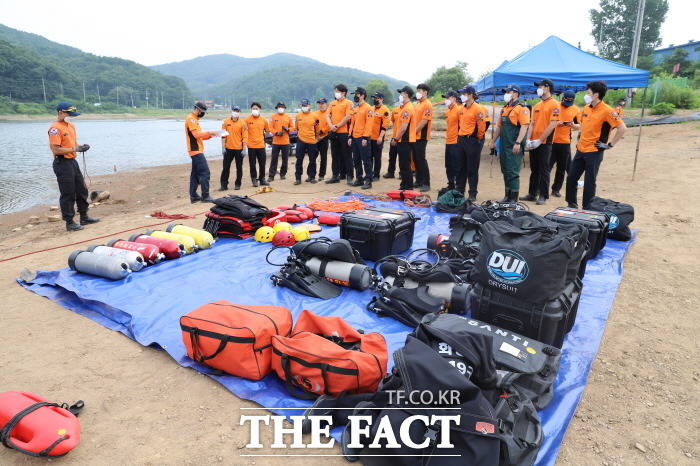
(641, 383)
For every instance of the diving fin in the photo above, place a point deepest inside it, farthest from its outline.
(305, 282)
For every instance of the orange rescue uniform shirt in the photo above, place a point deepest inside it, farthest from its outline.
(472, 121)
(517, 114)
(361, 125)
(571, 114)
(619, 109)
(405, 115)
(277, 121)
(381, 120)
(423, 110)
(194, 135)
(322, 123)
(452, 118)
(257, 127)
(339, 109)
(596, 123)
(307, 127)
(62, 133)
(237, 133)
(543, 113)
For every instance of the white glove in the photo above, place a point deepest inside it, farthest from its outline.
(535, 143)
(528, 144)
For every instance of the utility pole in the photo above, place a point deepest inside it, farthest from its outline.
(146, 99)
(132, 98)
(117, 87)
(183, 100)
(43, 86)
(84, 98)
(99, 98)
(636, 41)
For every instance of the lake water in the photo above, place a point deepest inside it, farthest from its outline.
(26, 173)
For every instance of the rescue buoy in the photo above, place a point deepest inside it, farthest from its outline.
(275, 218)
(203, 239)
(329, 219)
(171, 249)
(150, 252)
(133, 259)
(32, 425)
(188, 243)
(113, 268)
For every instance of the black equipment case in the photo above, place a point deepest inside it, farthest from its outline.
(621, 215)
(547, 323)
(377, 232)
(595, 222)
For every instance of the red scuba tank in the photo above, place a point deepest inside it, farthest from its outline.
(171, 249)
(401, 194)
(150, 252)
(34, 426)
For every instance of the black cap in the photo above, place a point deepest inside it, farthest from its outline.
(236, 108)
(468, 90)
(280, 104)
(424, 87)
(341, 88)
(407, 90)
(545, 82)
(305, 102)
(512, 88)
(450, 94)
(360, 91)
(322, 100)
(378, 95)
(200, 105)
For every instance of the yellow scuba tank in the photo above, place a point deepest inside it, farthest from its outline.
(202, 238)
(187, 242)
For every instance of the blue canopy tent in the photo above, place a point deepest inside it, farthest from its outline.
(567, 66)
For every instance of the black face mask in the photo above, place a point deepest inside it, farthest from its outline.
(356, 98)
(202, 113)
(376, 102)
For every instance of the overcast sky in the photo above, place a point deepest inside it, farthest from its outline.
(403, 39)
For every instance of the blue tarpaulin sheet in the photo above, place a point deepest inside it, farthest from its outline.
(147, 305)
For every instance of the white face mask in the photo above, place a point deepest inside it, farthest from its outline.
(419, 95)
(255, 112)
(463, 98)
(67, 119)
(338, 95)
(305, 109)
(588, 98)
(235, 114)
(540, 91)
(507, 97)
(280, 110)
(448, 102)
(400, 98)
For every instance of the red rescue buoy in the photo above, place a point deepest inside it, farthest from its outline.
(401, 194)
(329, 219)
(170, 248)
(33, 425)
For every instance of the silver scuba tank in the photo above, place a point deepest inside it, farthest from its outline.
(101, 266)
(133, 259)
(356, 276)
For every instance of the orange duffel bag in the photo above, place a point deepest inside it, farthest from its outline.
(234, 338)
(326, 356)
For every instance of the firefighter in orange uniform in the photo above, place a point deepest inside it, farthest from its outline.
(393, 148)
(233, 145)
(473, 119)
(380, 123)
(281, 125)
(307, 124)
(338, 118)
(404, 136)
(569, 119)
(71, 185)
(423, 116)
(322, 144)
(257, 127)
(359, 140)
(452, 152)
(195, 137)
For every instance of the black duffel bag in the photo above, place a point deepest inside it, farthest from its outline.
(621, 215)
(527, 257)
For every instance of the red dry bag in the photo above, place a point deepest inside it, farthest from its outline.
(401, 194)
(32, 425)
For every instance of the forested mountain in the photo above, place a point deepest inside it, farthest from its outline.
(35, 69)
(281, 76)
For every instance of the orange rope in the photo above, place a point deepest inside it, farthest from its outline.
(327, 205)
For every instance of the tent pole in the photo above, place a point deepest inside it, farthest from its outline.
(493, 128)
(639, 134)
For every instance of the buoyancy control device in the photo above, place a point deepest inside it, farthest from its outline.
(336, 261)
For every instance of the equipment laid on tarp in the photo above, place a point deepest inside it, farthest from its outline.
(150, 252)
(297, 276)
(378, 232)
(620, 215)
(33, 425)
(235, 271)
(595, 222)
(171, 249)
(235, 216)
(187, 242)
(133, 259)
(203, 239)
(336, 261)
(90, 263)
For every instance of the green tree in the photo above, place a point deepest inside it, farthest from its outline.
(378, 85)
(445, 79)
(678, 57)
(612, 27)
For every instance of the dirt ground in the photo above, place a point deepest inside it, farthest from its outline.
(142, 408)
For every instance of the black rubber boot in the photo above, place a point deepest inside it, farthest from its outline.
(513, 196)
(72, 226)
(506, 198)
(85, 219)
(529, 197)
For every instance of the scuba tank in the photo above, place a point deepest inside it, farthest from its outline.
(187, 242)
(454, 293)
(171, 249)
(202, 238)
(132, 258)
(356, 276)
(150, 252)
(101, 266)
(32, 425)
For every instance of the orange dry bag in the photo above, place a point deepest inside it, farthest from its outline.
(32, 425)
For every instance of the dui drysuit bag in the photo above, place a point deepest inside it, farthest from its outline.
(234, 338)
(526, 257)
(34, 426)
(620, 214)
(521, 362)
(327, 356)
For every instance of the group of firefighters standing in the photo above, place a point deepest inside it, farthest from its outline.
(356, 131)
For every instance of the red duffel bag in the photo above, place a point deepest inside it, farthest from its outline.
(326, 356)
(234, 338)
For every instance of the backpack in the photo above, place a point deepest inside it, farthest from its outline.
(241, 207)
(621, 215)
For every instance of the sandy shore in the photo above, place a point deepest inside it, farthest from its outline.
(142, 408)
